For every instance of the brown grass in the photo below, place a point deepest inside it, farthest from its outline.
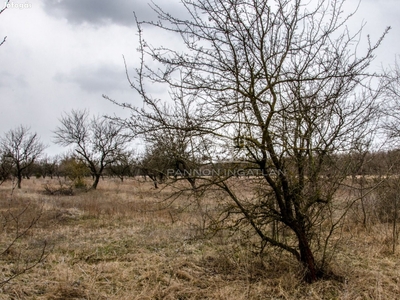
(123, 241)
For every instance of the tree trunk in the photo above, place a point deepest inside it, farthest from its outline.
(192, 182)
(154, 178)
(395, 225)
(96, 181)
(19, 180)
(307, 257)
(183, 168)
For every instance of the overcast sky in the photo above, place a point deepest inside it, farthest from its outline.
(64, 54)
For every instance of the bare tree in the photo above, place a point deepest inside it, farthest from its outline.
(280, 84)
(18, 219)
(97, 142)
(6, 167)
(48, 166)
(124, 165)
(22, 148)
(171, 152)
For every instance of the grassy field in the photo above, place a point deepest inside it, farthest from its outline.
(123, 241)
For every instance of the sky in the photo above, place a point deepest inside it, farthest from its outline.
(65, 54)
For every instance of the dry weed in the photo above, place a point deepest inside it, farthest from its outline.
(123, 241)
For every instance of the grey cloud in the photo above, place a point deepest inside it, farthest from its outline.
(8, 80)
(93, 79)
(102, 12)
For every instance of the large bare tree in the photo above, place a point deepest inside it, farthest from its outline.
(23, 148)
(98, 142)
(280, 84)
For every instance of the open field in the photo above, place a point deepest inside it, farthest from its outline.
(123, 241)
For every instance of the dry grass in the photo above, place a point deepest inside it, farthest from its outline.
(123, 242)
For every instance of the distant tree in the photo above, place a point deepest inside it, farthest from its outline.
(76, 171)
(6, 167)
(154, 164)
(171, 149)
(97, 142)
(48, 166)
(123, 166)
(169, 153)
(22, 148)
(72, 169)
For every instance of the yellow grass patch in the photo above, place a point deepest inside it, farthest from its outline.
(123, 241)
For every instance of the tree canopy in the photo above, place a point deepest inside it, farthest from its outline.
(279, 84)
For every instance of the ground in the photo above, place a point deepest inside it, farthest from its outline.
(124, 241)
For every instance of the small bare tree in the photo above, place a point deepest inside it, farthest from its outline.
(123, 166)
(170, 153)
(22, 148)
(48, 166)
(98, 142)
(18, 220)
(279, 84)
(6, 167)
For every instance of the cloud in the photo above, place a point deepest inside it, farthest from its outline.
(98, 12)
(103, 12)
(96, 79)
(8, 80)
